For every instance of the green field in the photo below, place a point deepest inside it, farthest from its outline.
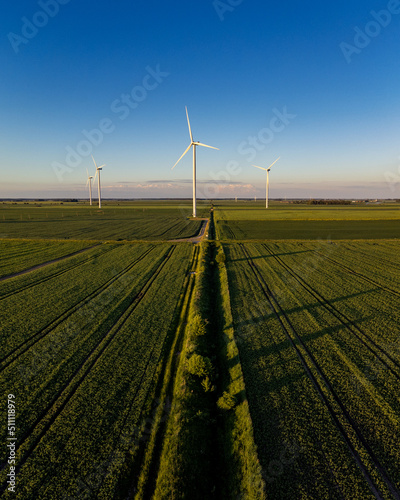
(265, 365)
(86, 348)
(19, 255)
(292, 211)
(307, 222)
(317, 327)
(114, 221)
(308, 229)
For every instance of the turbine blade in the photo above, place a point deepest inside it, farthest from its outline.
(94, 162)
(190, 130)
(274, 162)
(262, 168)
(190, 145)
(95, 175)
(205, 145)
(101, 166)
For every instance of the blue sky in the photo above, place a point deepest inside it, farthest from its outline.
(260, 80)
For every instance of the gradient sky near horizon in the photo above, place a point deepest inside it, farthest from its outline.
(260, 80)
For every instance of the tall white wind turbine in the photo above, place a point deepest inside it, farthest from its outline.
(267, 186)
(194, 144)
(98, 169)
(89, 181)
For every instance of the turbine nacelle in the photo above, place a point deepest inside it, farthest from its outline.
(266, 169)
(192, 143)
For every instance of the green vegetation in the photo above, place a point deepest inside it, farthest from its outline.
(308, 230)
(191, 431)
(19, 255)
(83, 359)
(307, 222)
(250, 368)
(114, 221)
(209, 449)
(318, 335)
(251, 211)
(199, 365)
(226, 401)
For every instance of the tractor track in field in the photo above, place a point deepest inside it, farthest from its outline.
(359, 275)
(56, 274)
(27, 344)
(309, 362)
(49, 262)
(376, 350)
(198, 237)
(60, 400)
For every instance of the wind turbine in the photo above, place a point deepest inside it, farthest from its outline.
(98, 175)
(194, 144)
(267, 186)
(89, 181)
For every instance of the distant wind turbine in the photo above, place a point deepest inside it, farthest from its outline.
(89, 181)
(98, 175)
(267, 186)
(194, 144)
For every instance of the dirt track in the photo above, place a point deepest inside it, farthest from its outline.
(199, 237)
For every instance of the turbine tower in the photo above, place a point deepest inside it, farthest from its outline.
(267, 186)
(89, 181)
(98, 175)
(194, 144)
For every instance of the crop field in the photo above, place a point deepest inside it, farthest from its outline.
(308, 230)
(290, 211)
(19, 255)
(83, 347)
(250, 368)
(303, 222)
(317, 326)
(77, 221)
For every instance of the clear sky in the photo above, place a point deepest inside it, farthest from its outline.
(316, 83)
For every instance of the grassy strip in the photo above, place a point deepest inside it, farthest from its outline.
(187, 464)
(209, 449)
(244, 478)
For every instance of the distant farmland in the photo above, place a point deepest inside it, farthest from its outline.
(299, 222)
(134, 221)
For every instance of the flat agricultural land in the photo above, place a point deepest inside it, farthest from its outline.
(114, 221)
(304, 222)
(84, 346)
(262, 365)
(317, 327)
